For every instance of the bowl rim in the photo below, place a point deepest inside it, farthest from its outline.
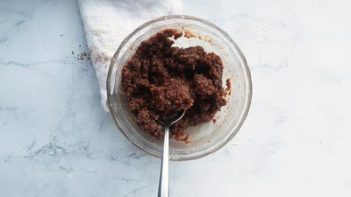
(185, 17)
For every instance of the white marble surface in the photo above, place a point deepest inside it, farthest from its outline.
(56, 140)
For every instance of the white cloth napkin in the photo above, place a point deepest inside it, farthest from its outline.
(108, 22)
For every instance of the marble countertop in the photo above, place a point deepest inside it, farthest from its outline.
(56, 140)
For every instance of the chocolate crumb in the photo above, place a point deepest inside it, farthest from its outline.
(161, 79)
(83, 56)
(228, 89)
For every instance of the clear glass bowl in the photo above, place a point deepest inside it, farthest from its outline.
(205, 138)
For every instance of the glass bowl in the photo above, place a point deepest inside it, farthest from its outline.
(205, 138)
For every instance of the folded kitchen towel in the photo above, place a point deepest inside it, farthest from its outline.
(108, 22)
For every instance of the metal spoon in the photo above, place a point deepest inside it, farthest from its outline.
(163, 186)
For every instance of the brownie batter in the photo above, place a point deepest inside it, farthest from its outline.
(161, 80)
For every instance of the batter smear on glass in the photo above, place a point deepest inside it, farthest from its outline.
(160, 80)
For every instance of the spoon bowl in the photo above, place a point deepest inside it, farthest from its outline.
(171, 120)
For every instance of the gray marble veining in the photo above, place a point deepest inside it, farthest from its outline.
(56, 140)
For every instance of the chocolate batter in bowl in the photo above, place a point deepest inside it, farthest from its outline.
(201, 139)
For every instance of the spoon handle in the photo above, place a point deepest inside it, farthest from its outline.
(164, 177)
